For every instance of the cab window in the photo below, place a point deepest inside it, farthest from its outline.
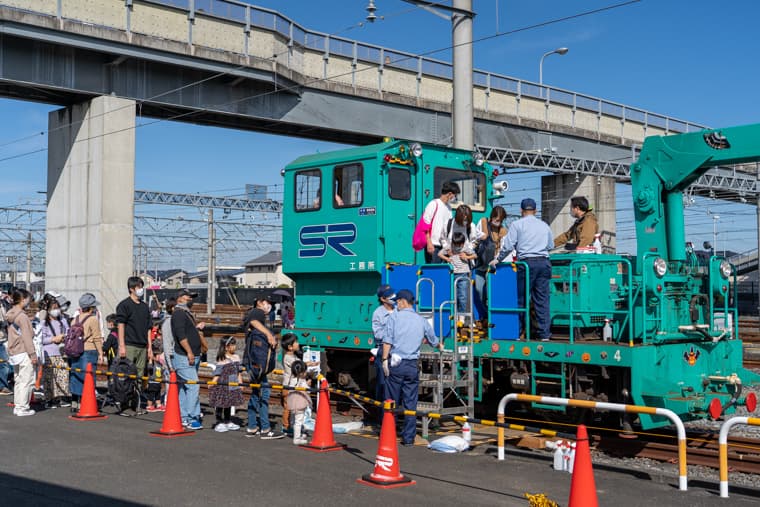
(399, 184)
(471, 184)
(348, 186)
(308, 190)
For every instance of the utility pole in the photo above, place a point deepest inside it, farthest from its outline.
(461, 36)
(139, 257)
(211, 297)
(29, 262)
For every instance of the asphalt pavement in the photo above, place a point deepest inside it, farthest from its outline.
(48, 459)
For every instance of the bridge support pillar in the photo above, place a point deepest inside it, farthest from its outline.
(90, 193)
(556, 192)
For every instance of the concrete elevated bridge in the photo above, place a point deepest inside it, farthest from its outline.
(228, 63)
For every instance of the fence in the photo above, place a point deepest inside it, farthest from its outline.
(597, 405)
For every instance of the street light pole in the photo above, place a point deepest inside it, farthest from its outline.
(558, 51)
(461, 36)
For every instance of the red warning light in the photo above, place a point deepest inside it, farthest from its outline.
(659, 288)
(751, 402)
(716, 409)
(495, 173)
(387, 157)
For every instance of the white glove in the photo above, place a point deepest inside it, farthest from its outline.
(493, 263)
(386, 370)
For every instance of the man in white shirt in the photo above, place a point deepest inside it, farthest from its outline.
(437, 214)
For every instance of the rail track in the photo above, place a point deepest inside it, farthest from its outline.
(702, 449)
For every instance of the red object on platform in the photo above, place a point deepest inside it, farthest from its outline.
(582, 487)
(323, 439)
(387, 473)
(88, 404)
(172, 425)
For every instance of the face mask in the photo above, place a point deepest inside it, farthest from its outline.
(139, 292)
(55, 313)
(189, 304)
(495, 224)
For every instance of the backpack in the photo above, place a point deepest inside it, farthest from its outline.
(73, 342)
(486, 248)
(259, 358)
(121, 388)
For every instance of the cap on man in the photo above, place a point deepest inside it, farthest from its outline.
(532, 239)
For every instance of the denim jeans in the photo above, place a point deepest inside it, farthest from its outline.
(479, 297)
(6, 370)
(76, 380)
(189, 394)
(403, 388)
(462, 291)
(258, 407)
(540, 274)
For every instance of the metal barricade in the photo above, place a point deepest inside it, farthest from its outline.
(723, 442)
(598, 405)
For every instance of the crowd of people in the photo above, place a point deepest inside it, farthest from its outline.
(473, 248)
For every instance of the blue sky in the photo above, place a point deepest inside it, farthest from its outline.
(693, 60)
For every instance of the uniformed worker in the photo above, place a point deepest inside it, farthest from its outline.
(582, 232)
(403, 337)
(385, 295)
(532, 239)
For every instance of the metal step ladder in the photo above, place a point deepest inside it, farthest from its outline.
(554, 382)
(447, 377)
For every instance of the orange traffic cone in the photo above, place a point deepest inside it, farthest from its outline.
(582, 487)
(172, 425)
(88, 404)
(323, 439)
(387, 473)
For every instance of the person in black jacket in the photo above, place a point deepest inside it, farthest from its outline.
(187, 351)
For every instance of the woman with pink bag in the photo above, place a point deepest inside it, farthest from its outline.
(433, 222)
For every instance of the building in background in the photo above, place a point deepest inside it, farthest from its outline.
(266, 272)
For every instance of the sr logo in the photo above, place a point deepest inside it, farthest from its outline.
(315, 239)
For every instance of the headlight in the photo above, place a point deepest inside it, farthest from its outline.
(416, 149)
(477, 157)
(725, 269)
(660, 267)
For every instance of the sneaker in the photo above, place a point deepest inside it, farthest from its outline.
(5, 392)
(22, 412)
(252, 432)
(64, 403)
(232, 426)
(153, 409)
(194, 425)
(300, 441)
(74, 407)
(221, 428)
(272, 435)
